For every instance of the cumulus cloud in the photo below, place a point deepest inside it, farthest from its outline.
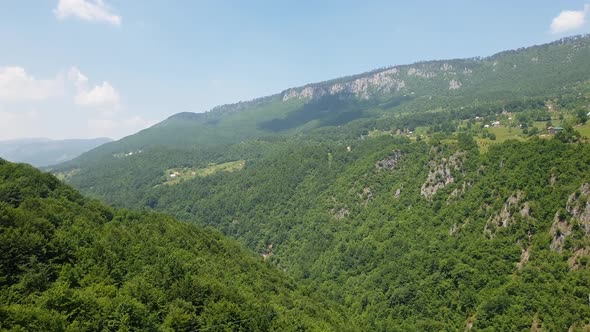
(17, 85)
(569, 20)
(87, 10)
(102, 97)
(31, 107)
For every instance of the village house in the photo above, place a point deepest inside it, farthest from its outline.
(554, 130)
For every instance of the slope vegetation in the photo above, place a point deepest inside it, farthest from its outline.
(68, 263)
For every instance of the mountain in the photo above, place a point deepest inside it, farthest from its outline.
(41, 152)
(443, 195)
(69, 263)
(540, 71)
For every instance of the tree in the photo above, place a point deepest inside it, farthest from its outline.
(582, 116)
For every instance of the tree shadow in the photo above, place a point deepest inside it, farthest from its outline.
(332, 110)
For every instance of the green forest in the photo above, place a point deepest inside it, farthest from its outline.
(73, 264)
(458, 201)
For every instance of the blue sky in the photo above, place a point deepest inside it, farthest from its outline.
(87, 68)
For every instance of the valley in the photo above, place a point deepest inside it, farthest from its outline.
(435, 196)
(420, 197)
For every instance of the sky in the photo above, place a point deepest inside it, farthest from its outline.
(109, 68)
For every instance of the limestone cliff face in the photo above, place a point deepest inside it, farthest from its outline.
(401, 80)
(427, 78)
(577, 208)
(386, 81)
(442, 172)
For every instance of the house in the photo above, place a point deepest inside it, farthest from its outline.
(495, 123)
(554, 130)
(487, 126)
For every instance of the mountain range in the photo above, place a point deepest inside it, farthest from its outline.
(441, 195)
(45, 152)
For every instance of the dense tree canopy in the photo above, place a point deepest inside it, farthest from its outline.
(68, 263)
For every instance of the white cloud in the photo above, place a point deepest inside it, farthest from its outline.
(569, 20)
(102, 97)
(31, 107)
(87, 10)
(77, 77)
(17, 85)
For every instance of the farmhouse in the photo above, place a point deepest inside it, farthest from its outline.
(554, 130)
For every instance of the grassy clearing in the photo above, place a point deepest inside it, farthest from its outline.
(377, 133)
(66, 176)
(177, 175)
(502, 134)
(584, 129)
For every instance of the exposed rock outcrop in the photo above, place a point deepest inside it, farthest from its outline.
(505, 217)
(267, 252)
(455, 85)
(524, 258)
(383, 82)
(560, 229)
(441, 174)
(577, 209)
(420, 73)
(390, 162)
(579, 259)
(457, 192)
(367, 195)
(340, 213)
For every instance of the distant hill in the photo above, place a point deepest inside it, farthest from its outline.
(41, 152)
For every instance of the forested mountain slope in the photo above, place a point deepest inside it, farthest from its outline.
(69, 263)
(414, 236)
(462, 206)
(538, 71)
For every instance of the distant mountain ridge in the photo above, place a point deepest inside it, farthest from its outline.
(384, 79)
(42, 152)
(540, 71)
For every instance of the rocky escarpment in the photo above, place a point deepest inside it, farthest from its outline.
(576, 215)
(458, 192)
(379, 83)
(506, 216)
(383, 82)
(391, 162)
(442, 173)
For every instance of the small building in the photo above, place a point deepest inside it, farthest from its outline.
(554, 130)
(495, 123)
